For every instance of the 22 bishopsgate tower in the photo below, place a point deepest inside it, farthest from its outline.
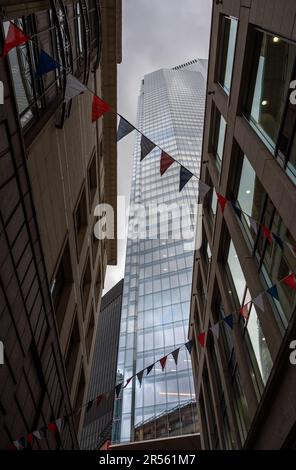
(158, 272)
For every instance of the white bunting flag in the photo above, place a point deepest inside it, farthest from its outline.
(215, 330)
(73, 88)
(59, 424)
(37, 435)
(258, 301)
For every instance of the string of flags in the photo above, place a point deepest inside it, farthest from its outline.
(59, 424)
(258, 301)
(15, 37)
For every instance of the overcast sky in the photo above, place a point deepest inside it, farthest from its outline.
(156, 34)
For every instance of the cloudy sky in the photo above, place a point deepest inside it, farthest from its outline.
(156, 34)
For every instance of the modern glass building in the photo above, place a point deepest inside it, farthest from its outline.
(158, 273)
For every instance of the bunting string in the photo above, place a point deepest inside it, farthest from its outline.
(74, 87)
(258, 301)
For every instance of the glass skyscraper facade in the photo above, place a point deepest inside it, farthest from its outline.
(158, 272)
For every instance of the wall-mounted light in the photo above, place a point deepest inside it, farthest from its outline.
(264, 102)
(275, 39)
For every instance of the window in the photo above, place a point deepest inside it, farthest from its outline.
(267, 104)
(235, 275)
(85, 284)
(274, 260)
(94, 244)
(61, 286)
(92, 176)
(80, 221)
(228, 36)
(90, 332)
(72, 351)
(218, 137)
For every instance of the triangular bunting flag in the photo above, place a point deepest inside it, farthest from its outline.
(216, 330)
(15, 37)
(37, 435)
(244, 311)
(201, 339)
(149, 369)
(124, 128)
(46, 64)
(229, 320)
(253, 224)
(127, 382)
(59, 424)
(222, 201)
(52, 427)
(89, 406)
(278, 240)
(18, 445)
(146, 146)
(273, 292)
(266, 234)
(290, 281)
(30, 439)
(203, 189)
(237, 211)
(175, 355)
(98, 400)
(185, 176)
(163, 361)
(189, 345)
(140, 377)
(118, 389)
(73, 88)
(99, 107)
(258, 301)
(165, 162)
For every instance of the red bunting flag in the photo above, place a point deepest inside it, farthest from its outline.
(163, 362)
(165, 162)
(244, 311)
(222, 201)
(52, 427)
(98, 400)
(290, 281)
(15, 37)
(30, 439)
(267, 234)
(99, 107)
(202, 339)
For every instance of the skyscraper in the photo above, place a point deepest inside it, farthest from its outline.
(158, 271)
(98, 420)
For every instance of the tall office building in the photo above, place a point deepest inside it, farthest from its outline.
(103, 376)
(158, 271)
(55, 167)
(244, 379)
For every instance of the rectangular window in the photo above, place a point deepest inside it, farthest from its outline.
(228, 36)
(92, 176)
(80, 221)
(273, 65)
(218, 137)
(61, 285)
(90, 332)
(85, 284)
